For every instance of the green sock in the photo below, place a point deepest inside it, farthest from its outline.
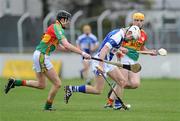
(48, 106)
(18, 83)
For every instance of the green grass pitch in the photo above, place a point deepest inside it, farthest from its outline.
(155, 100)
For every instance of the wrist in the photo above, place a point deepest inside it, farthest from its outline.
(83, 53)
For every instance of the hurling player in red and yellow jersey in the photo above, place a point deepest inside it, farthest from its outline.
(52, 39)
(132, 79)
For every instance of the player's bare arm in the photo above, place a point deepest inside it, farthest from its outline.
(61, 48)
(71, 47)
(154, 52)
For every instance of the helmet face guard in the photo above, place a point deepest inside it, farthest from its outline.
(135, 33)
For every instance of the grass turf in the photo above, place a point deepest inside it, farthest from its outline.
(155, 100)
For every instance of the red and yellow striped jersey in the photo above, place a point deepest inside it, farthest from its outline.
(51, 38)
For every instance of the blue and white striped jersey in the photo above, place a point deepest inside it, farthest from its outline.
(113, 40)
(86, 42)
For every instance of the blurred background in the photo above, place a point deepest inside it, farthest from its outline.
(22, 23)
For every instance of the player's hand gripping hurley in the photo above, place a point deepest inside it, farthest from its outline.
(123, 105)
(134, 68)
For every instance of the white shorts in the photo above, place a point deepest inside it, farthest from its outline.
(41, 62)
(126, 60)
(107, 67)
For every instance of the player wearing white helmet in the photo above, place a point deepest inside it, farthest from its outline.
(109, 46)
(135, 32)
(132, 79)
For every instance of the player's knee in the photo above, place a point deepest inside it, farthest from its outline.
(135, 85)
(57, 84)
(121, 83)
(41, 85)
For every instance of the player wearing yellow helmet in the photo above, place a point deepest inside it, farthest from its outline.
(138, 16)
(132, 79)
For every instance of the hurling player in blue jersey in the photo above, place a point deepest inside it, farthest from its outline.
(109, 46)
(88, 43)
